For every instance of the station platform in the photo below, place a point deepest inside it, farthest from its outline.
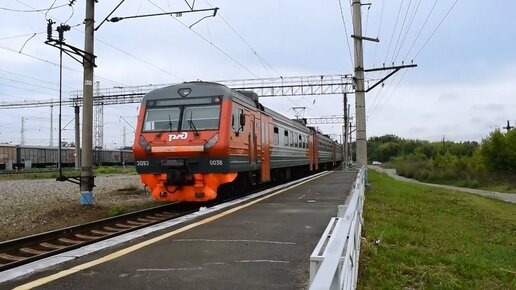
(265, 245)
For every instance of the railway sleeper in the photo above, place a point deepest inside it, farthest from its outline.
(9, 257)
(70, 241)
(130, 226)
(112, 229)
(52, 246)
(103, 233)
(32, 251)
(86, 237)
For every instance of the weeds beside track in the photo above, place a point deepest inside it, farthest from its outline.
(420, 237)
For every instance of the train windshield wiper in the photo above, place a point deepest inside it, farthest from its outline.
(169, 123)
(192, 125)
(167, 129)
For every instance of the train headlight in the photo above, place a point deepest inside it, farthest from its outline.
(145, 145)
(211, 142)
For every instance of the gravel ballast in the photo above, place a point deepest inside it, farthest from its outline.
(37, 205)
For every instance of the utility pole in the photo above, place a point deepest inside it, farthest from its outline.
(77, 139)
(350, 143)
(361, 136)
(124, 138)
(87, 178)
(346, 130)
(51, 125)
(508, 127)
(22, 131)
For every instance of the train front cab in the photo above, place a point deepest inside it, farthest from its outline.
(187, 146)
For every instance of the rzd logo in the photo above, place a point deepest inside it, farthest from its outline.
(182, 135)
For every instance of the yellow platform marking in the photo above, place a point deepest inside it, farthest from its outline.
(133, 248)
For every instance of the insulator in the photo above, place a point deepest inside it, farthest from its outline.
(49, 28)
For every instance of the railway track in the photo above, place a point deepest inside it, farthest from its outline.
(17, 252)
(14, 253)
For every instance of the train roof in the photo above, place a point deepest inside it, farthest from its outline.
(197, 89)
(206, 89)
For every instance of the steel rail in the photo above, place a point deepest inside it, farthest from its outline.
(17, 252)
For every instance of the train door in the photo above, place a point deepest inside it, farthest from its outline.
(265, 149)
(334, 154)
(316, 150)
(311, 150)
(252, 141)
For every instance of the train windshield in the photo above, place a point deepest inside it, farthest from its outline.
(162, 119)
(201, 118)
(182, 118)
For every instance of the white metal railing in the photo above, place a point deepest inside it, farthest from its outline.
(334, 261)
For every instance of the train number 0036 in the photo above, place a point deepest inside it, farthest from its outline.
(142, 163)
(216, 162)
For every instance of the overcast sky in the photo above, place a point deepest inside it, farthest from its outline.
(463, 88)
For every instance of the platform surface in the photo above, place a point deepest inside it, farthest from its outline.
(264, 246)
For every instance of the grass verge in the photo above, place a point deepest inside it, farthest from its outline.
(463, 177)
(420, 237)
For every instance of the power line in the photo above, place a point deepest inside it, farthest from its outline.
(393, 31)
(264, 63)
(408, 28)
(49, 9)
(105, 43)
(30, 84)
(32, 78)
(346, 31)
(435, 30)
(22, 35)
(378, 35)
(140, 59)
(401, 30)
(25, 89)
(33, 10)
(421, 29)
(209, 42)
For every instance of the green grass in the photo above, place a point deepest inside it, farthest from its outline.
(425, 172)
(432, 238)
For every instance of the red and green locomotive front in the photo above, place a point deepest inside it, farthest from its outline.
(181, 141)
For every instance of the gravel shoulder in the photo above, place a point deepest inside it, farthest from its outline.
(508, 197)
(34, 206)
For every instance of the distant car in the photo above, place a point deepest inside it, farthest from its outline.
(377, 163)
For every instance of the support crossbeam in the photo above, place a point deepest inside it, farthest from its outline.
(267, 87)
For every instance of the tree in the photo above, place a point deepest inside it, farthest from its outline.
(498, 151)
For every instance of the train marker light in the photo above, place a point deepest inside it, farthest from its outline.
(184, 92)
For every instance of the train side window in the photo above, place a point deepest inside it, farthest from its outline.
(300, 141)
(286, 138)
(276, 136)
(235, 119)
(291, 139)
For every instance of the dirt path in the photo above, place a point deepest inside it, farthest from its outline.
(508, 197)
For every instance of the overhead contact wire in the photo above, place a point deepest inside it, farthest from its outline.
(435, 30)
(208, 41)
(347, 36)
(421, 29)
(264, 63)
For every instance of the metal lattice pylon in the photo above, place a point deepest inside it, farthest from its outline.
(99, 121)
